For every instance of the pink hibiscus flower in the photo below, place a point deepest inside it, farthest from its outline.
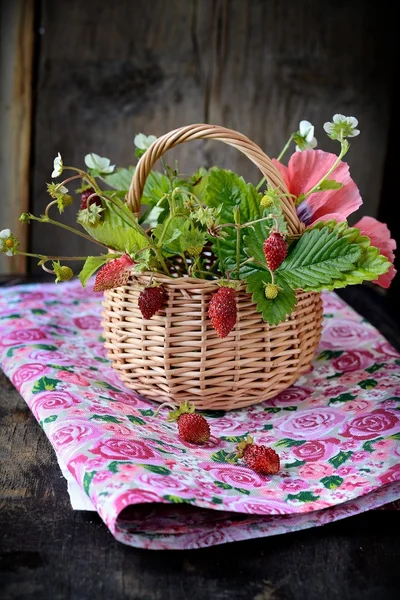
(304, 171)
(379, 235)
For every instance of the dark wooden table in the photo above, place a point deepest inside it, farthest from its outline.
(50, 552)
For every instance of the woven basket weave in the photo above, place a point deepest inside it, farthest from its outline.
(177, 355)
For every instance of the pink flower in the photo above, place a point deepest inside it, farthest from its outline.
(294, 485)
(27, 372)
(315, 450)
(372, 424)
(315, 470)
(23, 336)
(346, 334)
(311, 423)
(304, 171)
(356, 405)
(353, 482)
(117, 428)
(235, 475)
(53, 401)
(87, 322)
(123, 449)
(353, 360)
(292, 395)
(73, 378)
(134, 497)
(391, 475)
(379, 235)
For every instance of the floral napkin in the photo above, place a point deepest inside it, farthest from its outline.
(337, 430)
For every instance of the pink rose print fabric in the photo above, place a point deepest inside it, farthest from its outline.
(337, 430)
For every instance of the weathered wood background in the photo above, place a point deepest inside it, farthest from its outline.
(107, 70)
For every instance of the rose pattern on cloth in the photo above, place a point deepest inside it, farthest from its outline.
(337, 430)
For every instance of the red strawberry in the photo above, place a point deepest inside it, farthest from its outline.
(150, 300)
(222, 311)
(114, 273)
(261, 459)
(192, 426)
(86, 195)
(275, 250)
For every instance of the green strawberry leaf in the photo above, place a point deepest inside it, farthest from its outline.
(44, 384)
(319, 261)
(340, 458)
(230, 190)
(328, 354)
(113, 466)
(296, 463)
(106, 418)
(157, 469)
(120, 180)
(368, 384)
(91, 265)
(135, 420)
(87, 480)
(122, 237)
(276, 310)
(288, 442)
(303, 497)
(336, 256)
(368, 445)
(331, 483)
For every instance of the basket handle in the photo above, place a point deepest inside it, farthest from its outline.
(228, 136)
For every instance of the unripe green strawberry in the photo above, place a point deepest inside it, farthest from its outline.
(271, 291)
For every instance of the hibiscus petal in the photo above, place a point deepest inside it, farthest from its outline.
(305, 170)
(379, 235)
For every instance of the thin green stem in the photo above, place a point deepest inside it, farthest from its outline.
(45, 257)
(238, 251)
(68, 228)
(285, 148)
(344, 149)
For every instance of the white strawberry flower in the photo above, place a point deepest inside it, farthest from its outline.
(341, 127)
(8, 242)
(304, 137)
(57, 166)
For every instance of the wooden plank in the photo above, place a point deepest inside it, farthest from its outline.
(256, 66)
(16, 66)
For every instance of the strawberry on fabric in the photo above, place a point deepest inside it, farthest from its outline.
(114, 274)
(304, 171)
(192, 426)
(222, 311)
(151, 299)
(261, 459)
(275, 250)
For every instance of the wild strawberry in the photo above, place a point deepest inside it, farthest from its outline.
(222, 311)
(150, 300)
(271, 291)
(85, 197)
(275, 250)
(192, 426)
(114, 274)
(261, 459)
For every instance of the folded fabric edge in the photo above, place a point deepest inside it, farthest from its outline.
(251, 528)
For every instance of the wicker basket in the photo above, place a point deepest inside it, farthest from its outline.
(177, 355)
